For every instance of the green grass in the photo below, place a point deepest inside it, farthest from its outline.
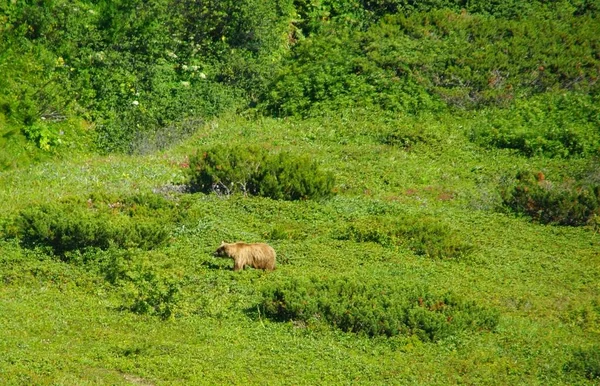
(65, 323)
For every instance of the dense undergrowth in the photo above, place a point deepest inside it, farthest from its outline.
(423, 235)
(571, 202)
(255, 171)
(376, 309)
(426, 171)
(138, 76)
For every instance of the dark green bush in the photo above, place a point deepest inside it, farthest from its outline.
(340, 69)
(72, 226)
(407, 137)
(586, 362)
(361, 13)
(255, 171)
(423, 235)
(376, 309)
(567, 203)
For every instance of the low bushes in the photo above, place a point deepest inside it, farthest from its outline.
(113, 237)
(71, 226)
(376, 309)
(424, 236)
(586, 362)
(406, 138)
(550, 125)
(144, 288)
(414, 62)
(254, 171)
(568, 203)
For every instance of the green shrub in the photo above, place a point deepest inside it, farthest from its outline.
(339, 69)
(410, 62)
(569, 203)
(407, 137)
(376, 309)
(361, 13)
(550, 125)
(423, 235)
(254, 171)
(145, 288)
(148, 292)
(586, 362)
(71, 226)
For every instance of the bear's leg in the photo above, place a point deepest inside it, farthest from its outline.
(238, 266)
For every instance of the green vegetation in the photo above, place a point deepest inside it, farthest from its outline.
(375, 309)
(428, 173)
(568, 203)
(548, 125)
(586, 362)
(423, 235)
(76, 226)
(256, 172)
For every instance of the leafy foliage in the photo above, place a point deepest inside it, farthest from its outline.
(134, 68)
(335, 70)
(423, 235)
(145, 288)
(586, 362)
(424, 61)
(254, 171)
(362, 13)
(137, 76)
(376, 309)
(564, 125)
(408, 136)
(567, 203)
(74, 226)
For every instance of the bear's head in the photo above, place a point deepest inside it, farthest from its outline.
(222, 250)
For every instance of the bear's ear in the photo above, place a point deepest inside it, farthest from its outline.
(223, 243)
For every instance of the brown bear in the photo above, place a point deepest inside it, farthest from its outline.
(258, 255)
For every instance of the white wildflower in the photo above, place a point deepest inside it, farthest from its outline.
(135, 103)
(202, 75)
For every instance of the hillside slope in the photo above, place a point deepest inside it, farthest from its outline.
(428, 174)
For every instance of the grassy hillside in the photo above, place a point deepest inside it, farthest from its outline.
(427, 173)
(96, 316)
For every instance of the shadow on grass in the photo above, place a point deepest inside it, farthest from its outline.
(217, 264)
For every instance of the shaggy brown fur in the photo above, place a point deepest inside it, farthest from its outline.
(259, 255)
